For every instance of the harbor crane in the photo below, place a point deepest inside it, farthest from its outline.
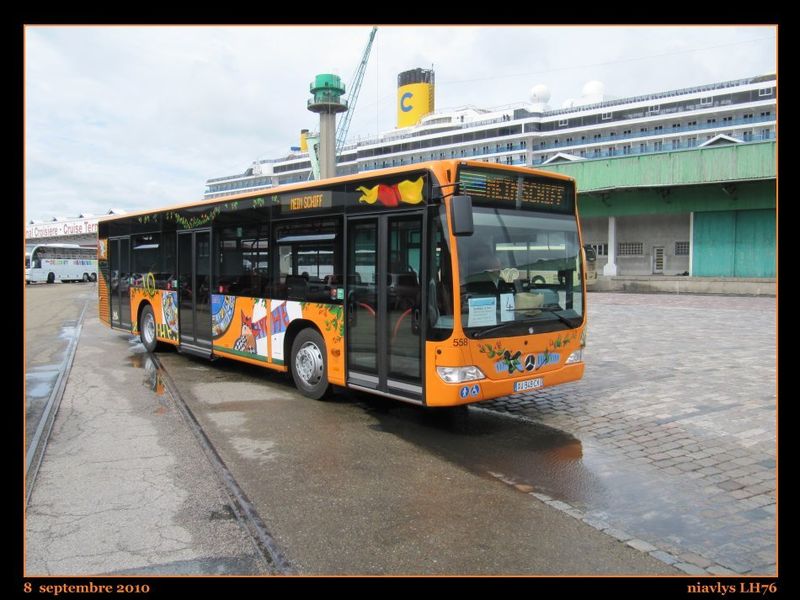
(355, 87)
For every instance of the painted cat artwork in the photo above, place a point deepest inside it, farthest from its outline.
(251, 331)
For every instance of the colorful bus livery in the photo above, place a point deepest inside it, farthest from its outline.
(59, 262)
(418, 283)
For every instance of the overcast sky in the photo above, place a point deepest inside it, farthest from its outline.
(140, 117)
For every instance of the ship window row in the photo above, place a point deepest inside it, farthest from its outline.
(292, 167)
(646, 131)
(442, 141)
(709, 123)
(237, 185)
(647, 147)
(669, 108)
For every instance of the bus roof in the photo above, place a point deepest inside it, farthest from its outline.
(437, 166)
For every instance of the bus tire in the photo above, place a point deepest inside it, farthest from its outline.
(51, 278)
(93, 277)
(147, 329)
(309, 368)
(85, 277)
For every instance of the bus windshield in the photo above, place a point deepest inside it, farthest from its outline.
(520, 273)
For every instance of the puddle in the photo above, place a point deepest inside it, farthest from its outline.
(69, 329)
(225, 514)
(153, 378)
(39, 384)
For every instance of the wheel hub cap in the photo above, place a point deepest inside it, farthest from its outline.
(149, 329)
(309, 363)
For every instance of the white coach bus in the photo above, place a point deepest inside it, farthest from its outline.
(59, 262)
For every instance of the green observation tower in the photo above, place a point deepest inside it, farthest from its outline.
(327, 101)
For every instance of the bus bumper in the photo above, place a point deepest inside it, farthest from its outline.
(439, 393)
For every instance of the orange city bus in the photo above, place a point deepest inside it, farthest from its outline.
(439, 283)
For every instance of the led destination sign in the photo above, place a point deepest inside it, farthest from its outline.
(496, 187)
(294, 203)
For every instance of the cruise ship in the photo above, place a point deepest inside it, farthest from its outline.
(595, 126)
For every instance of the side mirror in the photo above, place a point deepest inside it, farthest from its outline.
(461, 215)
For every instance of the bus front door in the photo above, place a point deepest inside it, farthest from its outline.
(120, 284)
(194, 291)
(384, 305)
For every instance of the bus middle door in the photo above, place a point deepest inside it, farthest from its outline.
(384, 305)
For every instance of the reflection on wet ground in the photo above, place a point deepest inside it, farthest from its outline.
(153, 375)
(609, 492)
(547, 459)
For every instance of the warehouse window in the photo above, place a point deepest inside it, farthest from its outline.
(681, 248)
(630, 249)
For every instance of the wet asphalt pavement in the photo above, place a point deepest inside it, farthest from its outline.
(360, 485)
(532, 484)
(51, 316)
(124, 487)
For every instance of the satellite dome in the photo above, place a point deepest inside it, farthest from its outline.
(594, 88)
(540, 94)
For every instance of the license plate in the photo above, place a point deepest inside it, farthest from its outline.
(528, 384)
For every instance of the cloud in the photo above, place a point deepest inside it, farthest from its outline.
(138, 117)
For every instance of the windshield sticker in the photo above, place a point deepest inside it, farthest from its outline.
(406, 191)
(507, 307)
(482, 311)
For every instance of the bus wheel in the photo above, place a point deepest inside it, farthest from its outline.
(51, 278)
(93, 277)
(85, 277)
(147, 329)
(309, 370)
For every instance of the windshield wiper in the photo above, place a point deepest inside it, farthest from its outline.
(485, 332)
(552, 310)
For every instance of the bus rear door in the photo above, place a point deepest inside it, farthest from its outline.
(194, 291)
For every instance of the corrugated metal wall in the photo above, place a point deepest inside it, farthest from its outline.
(734, 244)
(735, 162)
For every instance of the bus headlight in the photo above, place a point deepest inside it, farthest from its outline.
(575, 357)
(460, 374)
